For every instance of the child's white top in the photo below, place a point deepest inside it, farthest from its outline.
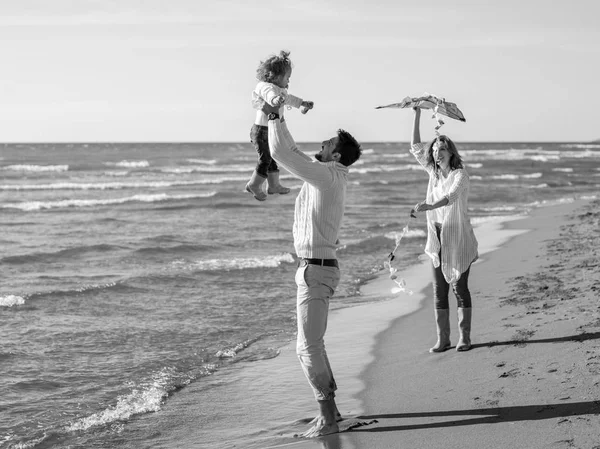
(268, 92)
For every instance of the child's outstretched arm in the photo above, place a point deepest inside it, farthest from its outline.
(297, 102)
(270, 93)
(293, 101)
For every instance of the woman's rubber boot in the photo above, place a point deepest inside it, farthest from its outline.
(274, 186)
(464, 328)
(254, 186)
(442, 321)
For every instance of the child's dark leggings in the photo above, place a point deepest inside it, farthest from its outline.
(441, 287)
(259, 136)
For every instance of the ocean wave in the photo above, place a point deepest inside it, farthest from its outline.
(11, 300)
(147, 397)
(208, 169)
(234, 263)
(581, 145)
(235, 350)
(202, 161)
(510, 176)
(178, 249)
(372, 241)
(565, 170)
(84, 288)
(554, 202)
(411, 234)
(386, 169)
(29, 206)
(512, 154)
(544, 158)
(51, 257)
(396, 155)
(36, 168)
(477, 221)
(118, 185)
(476, 165)
(580, 154)
(539, 186)
(533, 154)
(498, 209)
(129, 164)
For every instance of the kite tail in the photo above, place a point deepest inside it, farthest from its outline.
(400, 283)
(437, 117)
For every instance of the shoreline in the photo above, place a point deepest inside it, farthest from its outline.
(379, 354)
(408, 391)
(281, 402)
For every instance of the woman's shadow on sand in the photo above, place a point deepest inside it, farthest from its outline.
(496, 414)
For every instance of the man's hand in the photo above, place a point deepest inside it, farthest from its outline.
(267, 109)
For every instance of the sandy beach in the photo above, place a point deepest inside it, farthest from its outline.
(532, 378)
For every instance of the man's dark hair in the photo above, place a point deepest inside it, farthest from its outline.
(348, 147)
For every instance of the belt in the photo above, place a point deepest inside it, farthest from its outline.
(321, 262)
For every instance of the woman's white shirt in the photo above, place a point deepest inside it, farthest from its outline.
(458, 245)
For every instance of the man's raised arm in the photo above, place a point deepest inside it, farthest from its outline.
(286, 153)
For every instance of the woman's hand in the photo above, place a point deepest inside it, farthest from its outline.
(422, 207)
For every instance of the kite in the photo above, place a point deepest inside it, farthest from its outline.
(439, 105)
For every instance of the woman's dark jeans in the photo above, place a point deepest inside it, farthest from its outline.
(259, 136)
(441, 287)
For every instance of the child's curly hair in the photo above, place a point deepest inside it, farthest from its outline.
(273, 67)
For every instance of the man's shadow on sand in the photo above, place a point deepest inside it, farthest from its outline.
(487, 415)
(497, 414)
(524, 341)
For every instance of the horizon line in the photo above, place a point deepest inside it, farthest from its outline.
(75, 142)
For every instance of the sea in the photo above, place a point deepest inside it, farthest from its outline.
(147, 301)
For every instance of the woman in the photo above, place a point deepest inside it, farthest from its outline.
(451, 242)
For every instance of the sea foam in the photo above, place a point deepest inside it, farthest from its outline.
(11, 300)
(36, 168)
(118, 185)
(147, 397)
(39, 205)
(234, 263)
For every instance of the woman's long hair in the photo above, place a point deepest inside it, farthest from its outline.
(455, 159)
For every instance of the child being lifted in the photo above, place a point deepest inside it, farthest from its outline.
(274, 76)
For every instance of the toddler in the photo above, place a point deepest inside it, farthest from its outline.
(274, 76)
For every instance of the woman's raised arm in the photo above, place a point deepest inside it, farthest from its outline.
(416, 134)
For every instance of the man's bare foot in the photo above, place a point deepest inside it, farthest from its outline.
(338, 418)
(326, 421)
(321, 428)
(327, 407)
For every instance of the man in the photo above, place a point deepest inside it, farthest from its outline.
(317, 221)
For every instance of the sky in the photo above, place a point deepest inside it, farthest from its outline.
(184, 70)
